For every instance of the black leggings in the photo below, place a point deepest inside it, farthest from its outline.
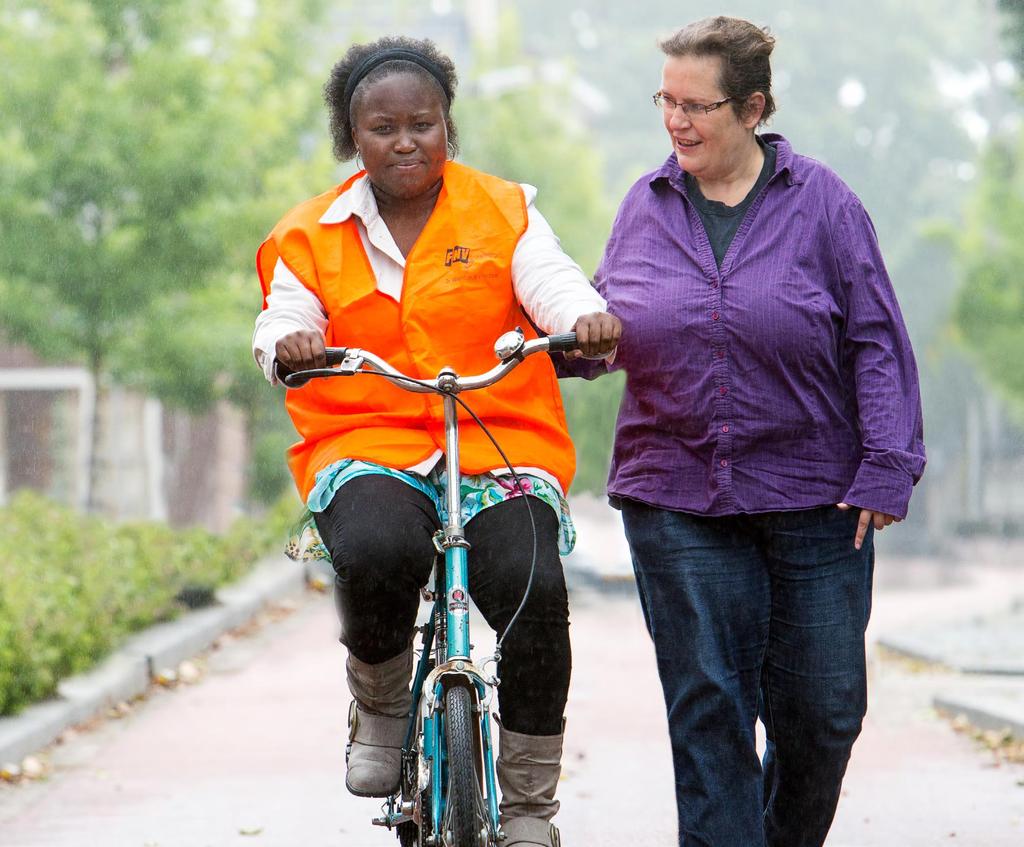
(378, 530)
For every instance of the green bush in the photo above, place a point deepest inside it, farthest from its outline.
(72, 586)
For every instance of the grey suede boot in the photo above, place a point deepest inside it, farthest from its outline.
(528, 771)
(377, 720)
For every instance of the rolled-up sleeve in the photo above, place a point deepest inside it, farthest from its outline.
(548, 283)
(878, 350)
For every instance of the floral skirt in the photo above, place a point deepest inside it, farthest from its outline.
(478, 492)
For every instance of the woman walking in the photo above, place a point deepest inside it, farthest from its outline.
(771, 423)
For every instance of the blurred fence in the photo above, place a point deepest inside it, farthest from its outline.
(150, 463)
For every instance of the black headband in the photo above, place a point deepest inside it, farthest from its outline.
(392, 54)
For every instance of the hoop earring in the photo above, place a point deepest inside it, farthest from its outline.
(359, 160)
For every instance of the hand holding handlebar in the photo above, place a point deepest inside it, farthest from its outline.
(301, 351)
(285, 372)
(597, 335)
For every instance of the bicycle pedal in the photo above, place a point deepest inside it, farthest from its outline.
(393, 819)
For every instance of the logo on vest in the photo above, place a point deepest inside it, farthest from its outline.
(456, 254)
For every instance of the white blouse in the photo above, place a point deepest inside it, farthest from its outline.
(549, 285)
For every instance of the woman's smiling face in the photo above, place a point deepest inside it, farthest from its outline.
(399, 126)
(708, 145)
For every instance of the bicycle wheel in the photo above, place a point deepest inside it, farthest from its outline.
(465, 826)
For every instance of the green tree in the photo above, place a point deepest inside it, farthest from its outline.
(990, 305)
(1014, 28)
(149, 142)
(194, 349)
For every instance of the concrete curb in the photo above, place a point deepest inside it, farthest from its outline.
(993, 708)
(919, 650)
(603, 583)
(912, 651)
(129, 671)
(989, 687)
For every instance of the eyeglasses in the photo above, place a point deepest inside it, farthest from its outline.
(691, 110)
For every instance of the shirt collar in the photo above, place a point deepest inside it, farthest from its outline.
(785, 161)
(358, 201)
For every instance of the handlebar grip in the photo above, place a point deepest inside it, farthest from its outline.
(336, 355)
(562, 343)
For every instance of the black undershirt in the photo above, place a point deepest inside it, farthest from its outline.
(720, 221)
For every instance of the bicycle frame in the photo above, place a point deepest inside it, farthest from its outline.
(425, 748)
(426, 724)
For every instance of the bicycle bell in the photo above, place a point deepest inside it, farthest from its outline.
(509, 345)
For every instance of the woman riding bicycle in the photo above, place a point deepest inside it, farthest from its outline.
(425, 262)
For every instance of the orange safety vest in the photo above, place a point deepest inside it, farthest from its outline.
(457, 298)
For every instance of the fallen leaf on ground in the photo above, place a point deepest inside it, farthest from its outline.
(167, 677)
(189, 673)
(960, 723)
(33, 768)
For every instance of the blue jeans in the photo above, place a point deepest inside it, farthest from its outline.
(756, 616)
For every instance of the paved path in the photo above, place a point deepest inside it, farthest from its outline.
(251, 755)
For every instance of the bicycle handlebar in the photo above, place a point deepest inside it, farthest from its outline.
(510, 349)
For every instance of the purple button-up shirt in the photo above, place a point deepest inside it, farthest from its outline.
(785, 379)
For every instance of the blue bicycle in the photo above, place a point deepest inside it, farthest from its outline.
(448, 794)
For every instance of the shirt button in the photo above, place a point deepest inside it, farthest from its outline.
(714, 316)
(720, 354)
(722, 390)
(714, 284)
(725, 427)
(724, 463)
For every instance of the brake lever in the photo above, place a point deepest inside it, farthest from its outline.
(349, 366)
